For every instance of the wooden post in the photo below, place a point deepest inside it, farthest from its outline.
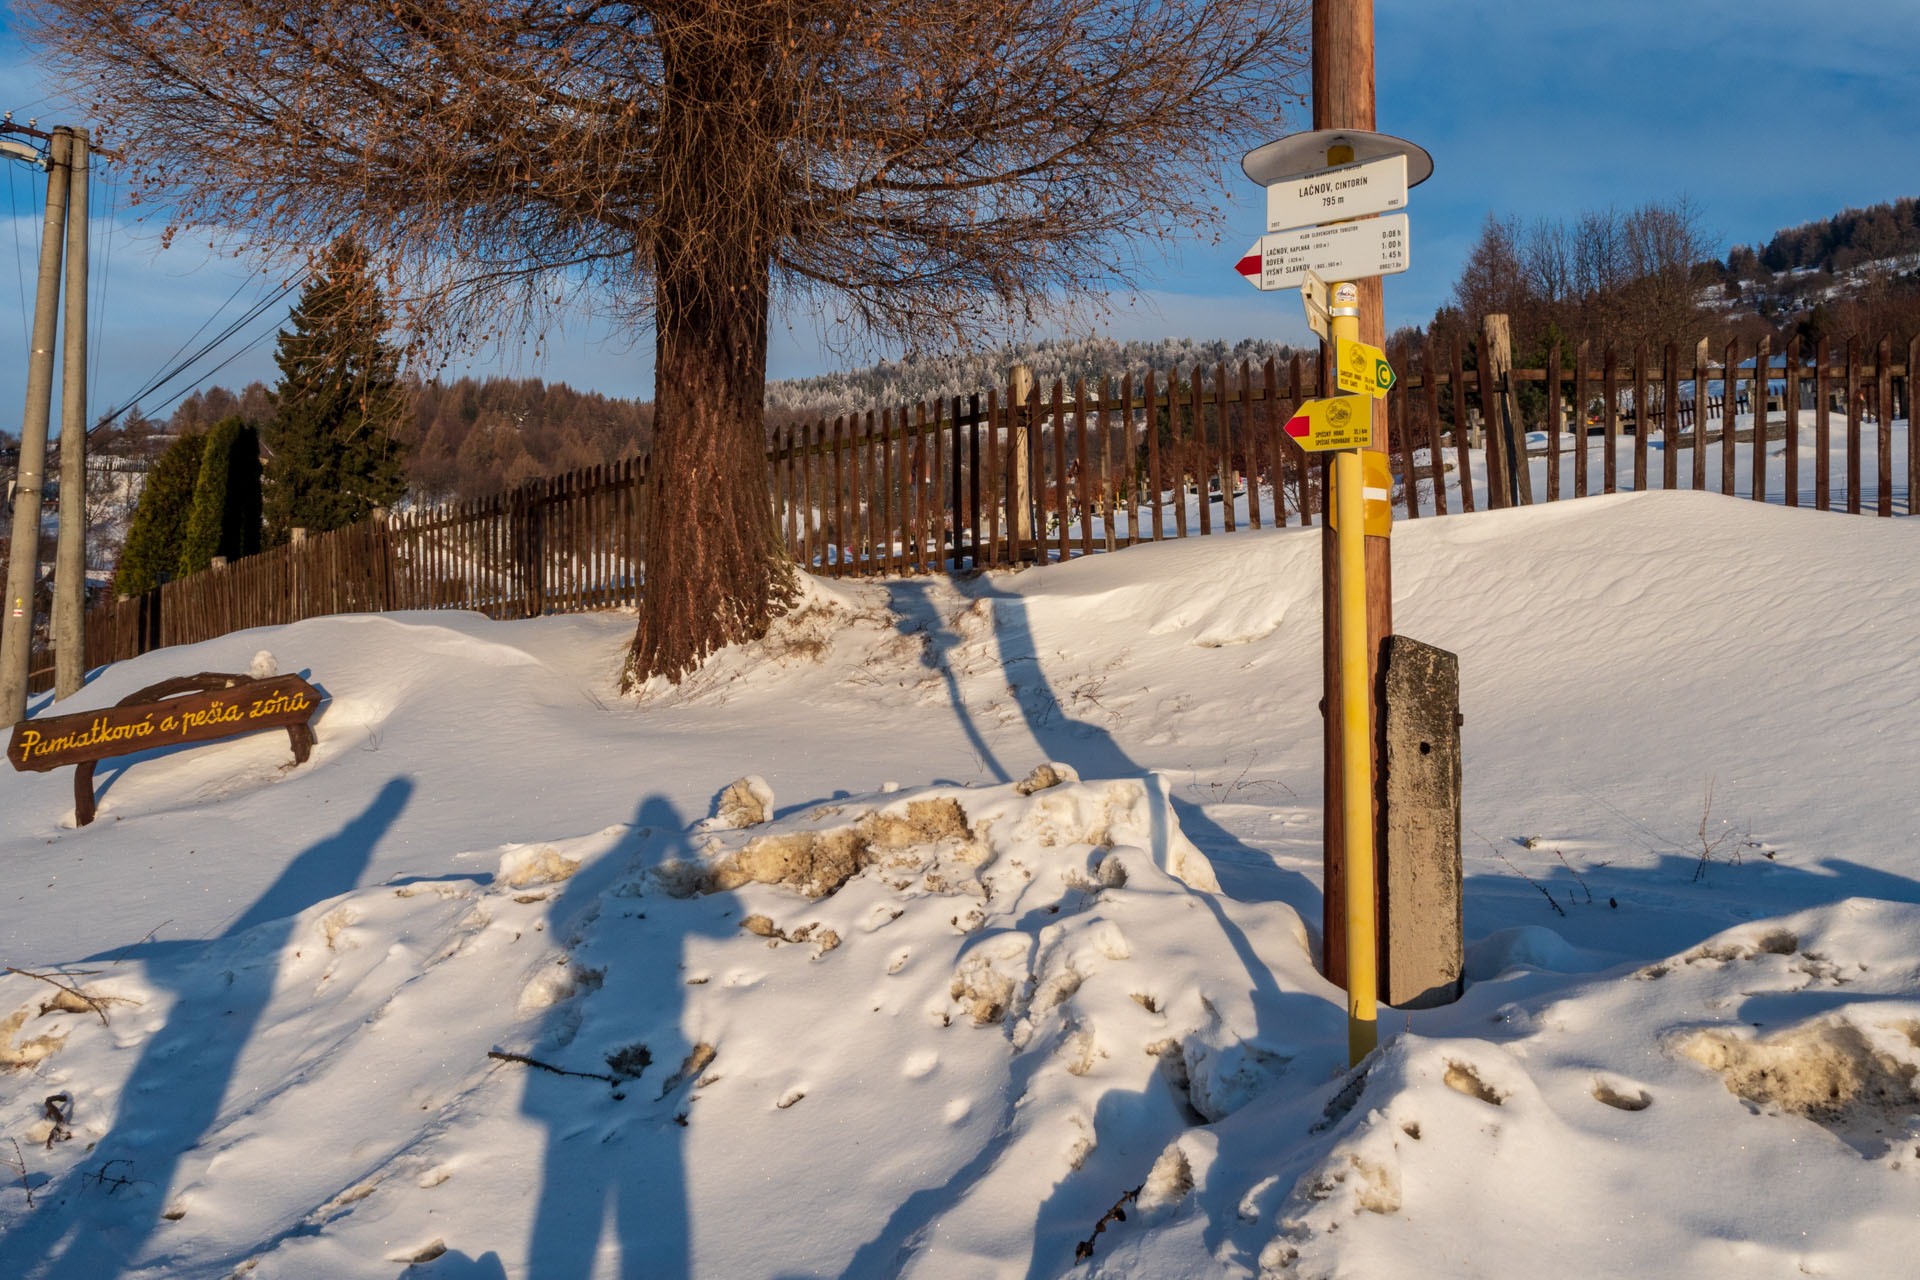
(1883, 436)
(1582, 368)
(1790, 402)
(1436, 458)
(1729, 396)
(1501, 402)
(1109, 487)
(956, 520)
(1556, 421)
(1059, 425)
(1700, 371)
(1462, 433)
(1177, 480)
(973, 483)
(1610, 418)
(1822, 427)
(1343, 98)
(992, 493)
(1913, 454)
(1670, 418)
(1499, 493)
(1020, 452)
(1762, 379)
(1225, 440)
(1083, 466)
(1201, 454)
(1250, 434)
(1854, 396)
(1642, 416)
(297, 573)
(1153, 459)
(1403, 426)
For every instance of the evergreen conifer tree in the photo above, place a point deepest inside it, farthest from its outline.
(334, 454)
(158, 531)
(225, 520)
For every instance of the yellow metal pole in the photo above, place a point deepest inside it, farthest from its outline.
(1356, 760)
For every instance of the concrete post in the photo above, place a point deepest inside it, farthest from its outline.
(70, 555)
(1423, 957)
(23, 565)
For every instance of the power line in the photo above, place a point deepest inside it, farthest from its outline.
(20, 269)
(97, 315)
(184, 391)
(154, 384)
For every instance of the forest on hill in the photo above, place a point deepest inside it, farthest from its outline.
(941, 375)
(1602, 276)
(1614, 279)
(1849, 239)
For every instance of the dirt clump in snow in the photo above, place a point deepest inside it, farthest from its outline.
(1830, 1072)
(746, 802)
(816, 863)
(1169, 1182)
(26, 1053)
(522, 868)
(1050, 774)
(697, 1060)
(984, 991)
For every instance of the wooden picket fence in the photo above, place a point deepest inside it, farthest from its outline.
(955, 485)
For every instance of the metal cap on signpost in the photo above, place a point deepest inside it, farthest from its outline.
(1300, 154)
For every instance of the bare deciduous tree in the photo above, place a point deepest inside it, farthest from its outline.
(687, 164)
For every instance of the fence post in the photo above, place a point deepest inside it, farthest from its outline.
(297, 574)
(1020, 401)
(382, 566)
(1506, 432)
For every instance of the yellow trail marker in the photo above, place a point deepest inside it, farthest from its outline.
(1362, 368)
(1344, 422)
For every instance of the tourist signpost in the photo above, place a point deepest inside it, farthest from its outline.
(1345, 191)
(1315, 182)
(1340, 251)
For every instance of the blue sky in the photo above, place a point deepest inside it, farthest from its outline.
(1765, 112)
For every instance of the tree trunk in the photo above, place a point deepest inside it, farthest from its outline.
(716, 571)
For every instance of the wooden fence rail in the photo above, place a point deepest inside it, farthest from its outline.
(936, 487)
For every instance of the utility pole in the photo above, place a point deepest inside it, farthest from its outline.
(1343, 98)
(23, 566)
(70, 555)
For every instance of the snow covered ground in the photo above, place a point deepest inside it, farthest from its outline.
(494, 987)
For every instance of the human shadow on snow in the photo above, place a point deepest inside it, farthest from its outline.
(174, 1094)
(613, 1170)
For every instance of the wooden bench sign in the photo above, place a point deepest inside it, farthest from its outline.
(214, 705)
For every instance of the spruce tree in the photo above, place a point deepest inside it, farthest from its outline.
(334, 454)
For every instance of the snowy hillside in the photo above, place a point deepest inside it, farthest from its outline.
(509, 981)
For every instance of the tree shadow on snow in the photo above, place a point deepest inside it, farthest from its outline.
(1641, 912)
(1119, 1161)
(174, 1094)
(1246, 873)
